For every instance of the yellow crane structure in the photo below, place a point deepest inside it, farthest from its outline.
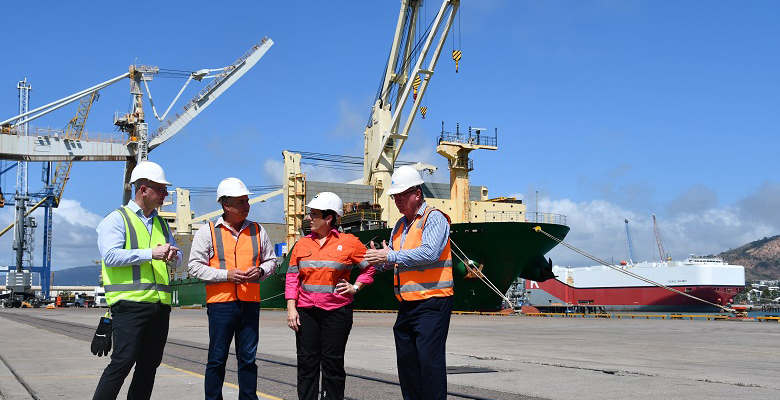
(73, 131)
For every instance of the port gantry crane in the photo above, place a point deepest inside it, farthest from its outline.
(48, 198)
(46, 145)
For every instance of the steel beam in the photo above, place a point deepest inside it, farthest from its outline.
(52, 148)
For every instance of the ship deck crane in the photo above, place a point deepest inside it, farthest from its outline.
(384, 136)
(384, 133)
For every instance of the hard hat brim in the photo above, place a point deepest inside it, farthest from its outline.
(162, 182)
(404, 188)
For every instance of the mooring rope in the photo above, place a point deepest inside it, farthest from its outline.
(629, 273)
(468, 263)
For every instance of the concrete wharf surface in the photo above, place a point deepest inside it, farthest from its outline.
(534, 358)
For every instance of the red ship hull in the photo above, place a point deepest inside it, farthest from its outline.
(641, 298)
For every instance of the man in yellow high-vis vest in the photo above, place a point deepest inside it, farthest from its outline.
(137, 247)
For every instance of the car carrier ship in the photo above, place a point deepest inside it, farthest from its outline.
(707, 278)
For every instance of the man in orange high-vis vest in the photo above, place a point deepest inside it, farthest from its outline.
(420, 257)
(232, 255)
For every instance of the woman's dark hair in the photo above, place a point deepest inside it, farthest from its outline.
(334, 223)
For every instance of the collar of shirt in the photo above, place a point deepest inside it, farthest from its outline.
(221, 221)
(134, 207)
(333, 232)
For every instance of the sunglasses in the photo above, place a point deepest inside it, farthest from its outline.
(400, 195)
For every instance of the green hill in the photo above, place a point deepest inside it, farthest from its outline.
(77, 276)
(760, 258)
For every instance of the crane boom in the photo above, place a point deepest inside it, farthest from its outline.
(205, 97)
(631, 257)
(73, 131)
(662, 251)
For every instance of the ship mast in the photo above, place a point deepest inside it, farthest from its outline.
(456, 148)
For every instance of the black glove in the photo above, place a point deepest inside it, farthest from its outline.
(101, 342)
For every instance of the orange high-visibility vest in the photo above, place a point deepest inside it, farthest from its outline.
(422, 281)
(228, 253)
(321, 269)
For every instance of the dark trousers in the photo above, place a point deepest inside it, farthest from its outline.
(139, 334)
(239, 319)
(321, 341)
(420, 337)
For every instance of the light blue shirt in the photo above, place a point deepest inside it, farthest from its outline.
(435, 234)
(111, 239)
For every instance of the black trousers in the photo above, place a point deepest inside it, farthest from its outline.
(420, 332)
(321, 341)
(139, 334)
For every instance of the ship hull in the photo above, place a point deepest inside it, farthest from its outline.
(505, 251)
(615, 291)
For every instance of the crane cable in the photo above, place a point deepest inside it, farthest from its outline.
(629, 273)
(470, 267)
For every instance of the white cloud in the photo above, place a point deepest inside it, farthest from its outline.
(352, 120)
(74, 240)
(273, 170)
(696, 225)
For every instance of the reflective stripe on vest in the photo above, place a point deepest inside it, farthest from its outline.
(148, 281)
(422, 281)
(314, 279)
(228, 255)
(334, 263)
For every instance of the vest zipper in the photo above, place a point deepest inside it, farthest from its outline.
(151, 263)
(235, 263)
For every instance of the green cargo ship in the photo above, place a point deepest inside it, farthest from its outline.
(503, 250)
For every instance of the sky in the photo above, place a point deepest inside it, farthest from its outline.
(606, 110)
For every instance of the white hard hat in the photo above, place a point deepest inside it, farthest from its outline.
(232, 187)
(327, 201)
(148, 170)
(404, 177)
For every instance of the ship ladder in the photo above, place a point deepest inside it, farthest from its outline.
(629, 273)
(471, 267)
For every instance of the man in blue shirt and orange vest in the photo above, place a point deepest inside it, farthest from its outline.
(422, 263)
(137, 246)
(232, 255)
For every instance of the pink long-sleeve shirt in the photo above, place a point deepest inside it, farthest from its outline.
(342, 248)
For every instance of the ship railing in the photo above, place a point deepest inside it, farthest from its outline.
(468, 138)
(545, 218)
(504, 216)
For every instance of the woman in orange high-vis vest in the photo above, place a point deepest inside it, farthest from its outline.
(232, 255)
(319, 298)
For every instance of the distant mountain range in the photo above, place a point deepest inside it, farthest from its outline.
(76, 276)
(760, 258)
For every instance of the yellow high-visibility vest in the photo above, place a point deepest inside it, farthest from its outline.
(148, 281)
